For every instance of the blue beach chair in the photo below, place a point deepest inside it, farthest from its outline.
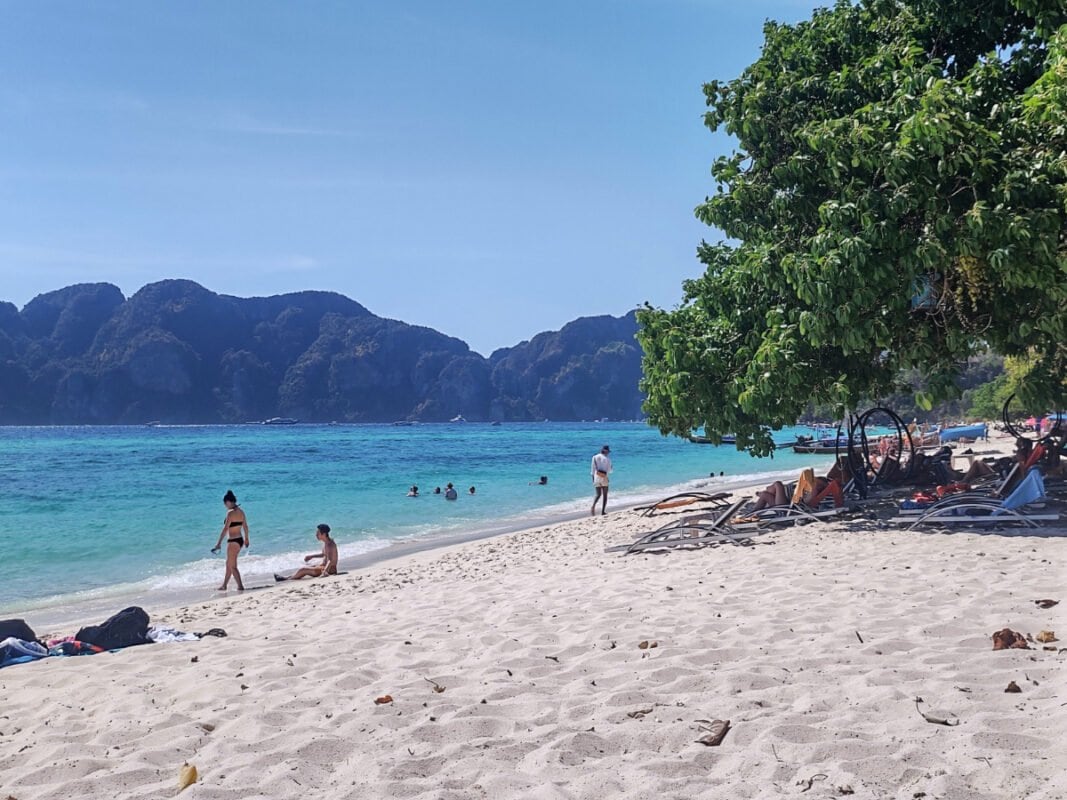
(972, 510)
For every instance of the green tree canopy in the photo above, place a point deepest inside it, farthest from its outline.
(896, 201)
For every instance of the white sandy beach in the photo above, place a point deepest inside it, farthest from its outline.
(814, 643)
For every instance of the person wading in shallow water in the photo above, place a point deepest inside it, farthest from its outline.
(601, 468)
(235, 530)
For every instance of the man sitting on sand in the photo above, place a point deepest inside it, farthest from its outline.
(328, 556)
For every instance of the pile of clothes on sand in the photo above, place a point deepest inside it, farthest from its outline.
(130, 627)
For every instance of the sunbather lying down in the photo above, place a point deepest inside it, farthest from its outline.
(808, 490)
(936, 468)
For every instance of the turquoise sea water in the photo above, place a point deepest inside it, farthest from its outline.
(89, 510)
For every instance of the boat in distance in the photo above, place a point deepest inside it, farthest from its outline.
(976, 432)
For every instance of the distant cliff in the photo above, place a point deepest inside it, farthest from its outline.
(176, 352)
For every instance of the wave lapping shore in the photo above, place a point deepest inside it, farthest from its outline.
(515, 669)
(132, 512)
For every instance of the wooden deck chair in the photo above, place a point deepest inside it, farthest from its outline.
(693, 531)
(717, 500)
(988, 510)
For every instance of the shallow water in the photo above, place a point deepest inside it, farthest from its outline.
(85, 510)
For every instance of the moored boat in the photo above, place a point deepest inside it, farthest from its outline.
(977, 431)
(808, 445)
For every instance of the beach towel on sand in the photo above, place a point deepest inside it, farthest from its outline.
(19, 651)
(74, 648)
(161, 634)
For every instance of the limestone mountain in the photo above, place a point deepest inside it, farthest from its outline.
(177, 352)
(589, 369)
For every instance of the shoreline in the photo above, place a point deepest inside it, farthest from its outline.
(61, 613)
(534, 664)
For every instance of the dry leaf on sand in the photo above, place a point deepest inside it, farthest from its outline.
(1046, 636)
(1007, 639)
(937, 718)
(186, 776)
(1013, 688)
(716, 732)
(385, 699)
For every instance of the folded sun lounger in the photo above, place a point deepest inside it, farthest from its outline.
(695, 531)
(717, 500)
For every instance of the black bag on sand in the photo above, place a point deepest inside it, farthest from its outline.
(125, 629)
(17, 628)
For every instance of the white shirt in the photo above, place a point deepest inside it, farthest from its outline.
(600, 462)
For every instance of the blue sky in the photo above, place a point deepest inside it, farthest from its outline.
(489, 169)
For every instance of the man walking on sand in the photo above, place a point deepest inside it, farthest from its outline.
(601, 467)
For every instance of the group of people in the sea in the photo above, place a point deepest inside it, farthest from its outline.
(238, 537)
(450, 492)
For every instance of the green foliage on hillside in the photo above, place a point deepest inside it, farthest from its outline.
(978, 378)
(897, 202)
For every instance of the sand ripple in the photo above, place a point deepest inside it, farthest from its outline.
(547, 695)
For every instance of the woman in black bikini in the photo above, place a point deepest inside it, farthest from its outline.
(235, 527)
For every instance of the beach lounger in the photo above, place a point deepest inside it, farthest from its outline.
(695, 531)
(1001, 485)
(717, 500)
(782, 515)
(806, 485)
(970, 510)
(797, 511)
(979, 491)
